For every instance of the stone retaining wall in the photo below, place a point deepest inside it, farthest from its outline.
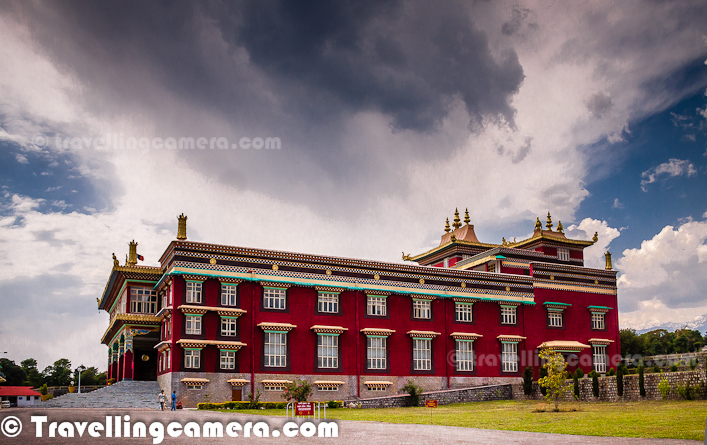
(476, 394)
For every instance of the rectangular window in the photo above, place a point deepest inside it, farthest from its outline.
(598, 322)
(193, 325)
(164, 299)
(228, 295)
(143, 300)
(275, 349)
(327, 302)
(422, 354)
(463, 312)
(328, 388)
(491, 267)
(192, 358)
(376, 352)
(465, 356)
(328, 351)
(563, 254)
(599, 358)
(168, 365)
(377, 388)
(193, 292)
(508, 315)
(274, 388)
(228, 359)
(554, 319)
(228, 327)
(193, 386)
(274, 298)
(421, 309)
(509, 357)
(376, 305)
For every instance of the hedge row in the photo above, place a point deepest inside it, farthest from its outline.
(258, 405)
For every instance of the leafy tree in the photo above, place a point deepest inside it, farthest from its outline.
(555, 381)
(595, 383)
(34, 378)
(298, 391)
(543, 373)
(59, 374)
(14, 375)
(528, 380)
(88, 377)
(631, 343)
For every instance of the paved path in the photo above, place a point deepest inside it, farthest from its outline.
(350, 432)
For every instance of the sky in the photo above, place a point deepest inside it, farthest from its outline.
(390, 114)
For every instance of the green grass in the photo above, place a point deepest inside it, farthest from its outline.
(654, 419)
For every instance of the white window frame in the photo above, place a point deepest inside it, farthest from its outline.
(599, 358)
(274, 387)
(328, 388)
(555, 319)
(192, 358)
(194, 291)
(598, 321)
(228, 327)
(376, 305)
(328, 302)
(464, 312)
(563, 254)
(229, 294)
(422, 309)
(509, 357)
(464, 356)
(192, 325)
(509, 315)
(327, 351)
(422, 354)
(227, 359)
(143, 300)
(376, 352)
(275, 350)
(194, 386)
(275, 298)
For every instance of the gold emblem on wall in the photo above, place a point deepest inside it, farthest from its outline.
(212, 261)
(422, 281)
(463, 284)
(376, 277)
(145, 357)
(274, 267)
(508, 288)
(328, 272)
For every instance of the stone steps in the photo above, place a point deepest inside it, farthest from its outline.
(119, 395)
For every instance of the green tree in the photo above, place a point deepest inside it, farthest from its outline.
(575, 379)
(595, 384)
(59, 374)
(528, 380)
(298, 391)
(414, 391)
(555, 381)
(631, 343)
(34, 378)
(543, 373)
(641, 381)
(89, 376)
(620, 381)
(14, 375)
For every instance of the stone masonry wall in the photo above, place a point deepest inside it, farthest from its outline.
(477, 394)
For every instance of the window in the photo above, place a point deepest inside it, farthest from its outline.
(193, 386)
(164, 299)
(599, 358)
(422, 354)
(328, 351)
(274, 298)
(598, 322)
(228, 359)
(465, 355)
(554, 319)
(275, 349)
(228, 295)
(328, 388)
(193, 292)
(563, 254)
(193, 325)
(421, 308)
(274, 387)
(463, 312)
(228, 327)
(376, 352)
(491, 267)
(376, 306)
(143, 300)
(168, 365)
(327, 302)
(377, 388)
(509, 357)
(192, 358)
(508, 315)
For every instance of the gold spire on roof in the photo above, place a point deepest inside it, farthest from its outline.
(560, 229)
(457, 222)
(548, 224)
(467, 220)
(132, 255)
(538, 224)
(503, 241)
(446, 227)
(608, 261)
(596, 237)
(182, 227)
(116, 263)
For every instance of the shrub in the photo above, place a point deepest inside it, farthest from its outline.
(543, 373)
(334, 404)
(641, 381)
(110, 381)
(693, 364)
(674, 368)
(664, 387)
(595, 384)
(298, 391)
(620, 381)
(43, 389)
(576, 385)
(528, 380)
(579, 373)
(253, 401)
(414, 391)
(611, 372)
(685, 391)
(656, 368)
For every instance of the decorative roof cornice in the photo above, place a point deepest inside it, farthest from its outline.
(283, 327)
(122, 319)
(237, 382)
(511, 338)
(378, 332)
(465, 336)
(319, 329)
(600, 341)
(423, 334)
(220, 344)
(377, 383)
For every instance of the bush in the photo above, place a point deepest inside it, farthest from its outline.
(414, 391)
(656, 368)
(543, 373)
(43, 389)
(611, 372)
(620, 382)
(674, 368)
(110, 381)
(253, 401)
(641, 381)
(528, 380)
(664, 387)
(334, 404)
(579, 373)
(576, 385)
(693, 364)
(298, 391)
(595, 384)
(685, 391)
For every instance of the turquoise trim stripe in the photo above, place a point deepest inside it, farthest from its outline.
(557, 304)
(466, 340)
(229, 284)
(275, 332)
(331, 335)
(511, 342)
(377, 336)
(599, 307)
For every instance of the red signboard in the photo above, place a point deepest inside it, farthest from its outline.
(431, 403)
(304, 409)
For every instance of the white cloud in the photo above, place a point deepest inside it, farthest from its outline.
(594, 254)
(22, 159)
(674, 167)
(617, 204)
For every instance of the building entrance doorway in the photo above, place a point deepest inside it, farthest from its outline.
(236, 394)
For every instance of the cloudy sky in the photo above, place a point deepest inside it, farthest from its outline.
(390, 114)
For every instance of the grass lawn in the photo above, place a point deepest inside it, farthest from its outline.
(656, 419)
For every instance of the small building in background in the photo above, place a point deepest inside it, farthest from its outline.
(20, 396)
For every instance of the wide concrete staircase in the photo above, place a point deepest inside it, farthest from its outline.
(119, 395)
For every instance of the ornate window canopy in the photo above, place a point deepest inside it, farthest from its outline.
(377, 383)
(465, 336)
(201, 344)
(600, 309)
(423, 334)
(194, 381)
(554, 306)
(564, 346)
(600, 341)
(377, 332)
(319, 329)
(328, 383)
(237, 382)
(279, 327)
(510, 338)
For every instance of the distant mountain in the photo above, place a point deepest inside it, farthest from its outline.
(698, 324)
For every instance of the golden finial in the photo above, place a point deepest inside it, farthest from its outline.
(503, 241)
(446, 227)
(548, 224)
(467, 220)
(116, 263)
(608, 260)
(457, 222)
(596, 237)
(126, 259)
(560, 229)
(538, 224)
(406, 257)
(132, 255)
(182, 227)
(453, 238)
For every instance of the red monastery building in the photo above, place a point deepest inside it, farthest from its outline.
(213, 322)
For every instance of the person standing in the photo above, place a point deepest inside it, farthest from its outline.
(174, 401)
(162, 399)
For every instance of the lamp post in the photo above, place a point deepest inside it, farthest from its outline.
(80, 369)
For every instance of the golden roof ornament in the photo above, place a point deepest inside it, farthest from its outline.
(406, 257)
(548, 224)
(453, 238)
(560, 229)
(182, 227)
(596, 237)
(116, 263)
(608, 260)
(538, 224)
(457, 222)
(467, 220)
(132, 254)
(503, 241)
(446, 227)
